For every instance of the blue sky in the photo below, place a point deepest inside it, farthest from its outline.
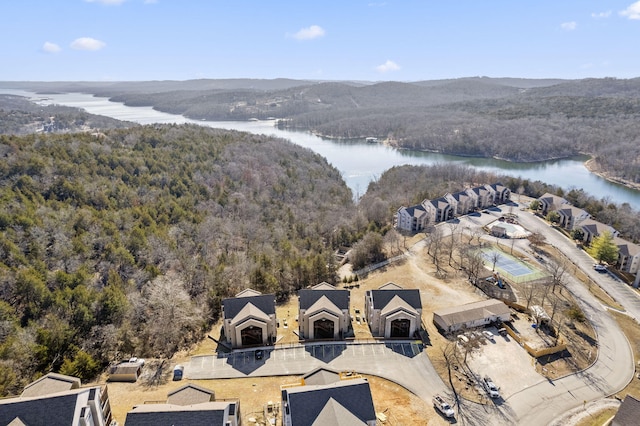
(410, 40)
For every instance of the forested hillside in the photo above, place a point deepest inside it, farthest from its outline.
(514, 119)
(126, 242)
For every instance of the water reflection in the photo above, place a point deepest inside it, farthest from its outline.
(361, 162)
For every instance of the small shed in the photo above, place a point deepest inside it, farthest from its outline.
(125, 372)
(499, 231)
(471, 315)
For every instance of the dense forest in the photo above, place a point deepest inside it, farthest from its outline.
(514, 119)
(125, 242)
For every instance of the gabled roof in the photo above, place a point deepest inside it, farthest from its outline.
(249, 311)
(49, 384)
(439, 203)
(61, 408)
(190, 394)
(594, 227)
(57, 410)
(205, 414)
(395, 304)
(384, 295)
(323, 286)
(626, 248)
(481, 190)
(321, 376)
(248, 292)
(628, 413)
(416, 211)
(324, 304)
(308, 296)
(264, 302)
(390, 286)
(571, 211)
(472, 311)
(336, 414)
(552, 199)
(307, 403)
(498, 186)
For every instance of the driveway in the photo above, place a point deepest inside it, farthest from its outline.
(406, 364)
(613, 369)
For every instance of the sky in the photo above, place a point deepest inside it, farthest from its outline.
(370, 40)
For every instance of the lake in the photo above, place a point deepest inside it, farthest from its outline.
(358, 161)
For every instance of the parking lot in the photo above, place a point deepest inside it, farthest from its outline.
(298, 359)
(506, 362)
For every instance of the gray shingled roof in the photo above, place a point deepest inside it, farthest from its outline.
(628, 413)
(265, 302)
(382, 297)
(338, 297)
(43, 411)
(321, 376)
(306, 403)
(207, 414)
(49, 384)
(190, 394)
(335, 414)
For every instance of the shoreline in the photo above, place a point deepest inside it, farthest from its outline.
(593, 167)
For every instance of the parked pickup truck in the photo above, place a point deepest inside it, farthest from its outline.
(490, 387)
(443, 406)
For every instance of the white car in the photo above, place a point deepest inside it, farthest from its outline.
(443, 406)
(490, 387)
(488, 334)
(599, 267)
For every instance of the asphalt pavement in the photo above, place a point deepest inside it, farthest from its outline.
(408, 365)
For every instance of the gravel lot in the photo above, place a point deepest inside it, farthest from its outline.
(506, 362)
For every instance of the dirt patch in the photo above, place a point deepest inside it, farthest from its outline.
(396, 403)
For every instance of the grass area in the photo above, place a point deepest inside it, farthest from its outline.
(600, 418)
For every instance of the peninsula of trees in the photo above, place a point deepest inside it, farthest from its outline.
(514, 119)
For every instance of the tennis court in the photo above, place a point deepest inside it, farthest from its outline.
(510, 267)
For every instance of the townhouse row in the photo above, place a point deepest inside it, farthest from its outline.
(571, 218)
(416, 218)
(249, 318)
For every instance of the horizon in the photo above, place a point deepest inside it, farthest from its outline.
(360, 41)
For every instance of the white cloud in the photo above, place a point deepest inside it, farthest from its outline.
(387, 67)
(633, 11)
(107, 2)
(309, 33)
(87, 43)
(50, 47)
(569, 26)
(601, 15)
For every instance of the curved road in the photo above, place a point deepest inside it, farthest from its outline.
(406, 364)
(613, 369)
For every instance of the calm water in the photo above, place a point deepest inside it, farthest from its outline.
(358, 161)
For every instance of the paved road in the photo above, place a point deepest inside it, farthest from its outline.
(406, 364)
(614, 367)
